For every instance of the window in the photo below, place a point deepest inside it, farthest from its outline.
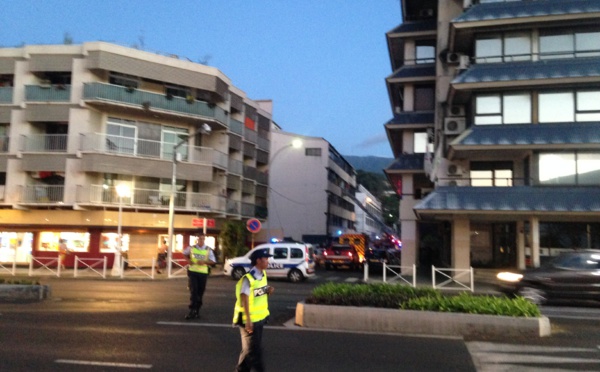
(588, 106)
(312, 151)
(581, 168)
(424, 98)
(280, 253)
(488, 50)
(123, 80)
(421, 143)
(297, 253)
(491, 174)
(517, 47)
(121, 136)
(425, 51)
(570, 45)
(513, 108)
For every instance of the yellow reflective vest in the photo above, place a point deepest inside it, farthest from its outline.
(258, 300)
(199, 254)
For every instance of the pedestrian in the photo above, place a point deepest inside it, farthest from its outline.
(161, 259)
(63, 251)
(251, 311)
(199, 257)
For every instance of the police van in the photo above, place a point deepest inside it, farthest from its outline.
(294, 261)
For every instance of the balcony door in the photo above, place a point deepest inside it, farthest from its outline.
(170, 138)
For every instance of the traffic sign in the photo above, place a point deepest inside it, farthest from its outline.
(199, 222)
(253, 225)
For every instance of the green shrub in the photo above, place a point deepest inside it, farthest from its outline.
(370, 295)
(467, 303)
(396, 296)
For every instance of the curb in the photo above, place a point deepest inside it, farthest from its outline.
(23, 292)
(377, 320)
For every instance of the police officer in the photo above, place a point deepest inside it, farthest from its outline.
(252, 310)
(199, 257)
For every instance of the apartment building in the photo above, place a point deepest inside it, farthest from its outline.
(312, 188)
(98, 137)
(368, 213)
(496, 130)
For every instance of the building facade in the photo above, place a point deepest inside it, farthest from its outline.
(311, 189)
(366, 222)
(496, 130)
(78, 122)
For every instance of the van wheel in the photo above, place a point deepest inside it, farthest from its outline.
(295, 276)
(238, 272)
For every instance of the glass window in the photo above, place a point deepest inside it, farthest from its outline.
(556, 107)
(424, 98)
(588, 106)
(557, 169)
(480, 178)
(517, 47)
(297, 253)
(421, 143)
(588, 168)
(556, 46)
(488, 50)
(280, 253)
(516, 108)
(425, 51)
(120, 136)
(587, 44)
(312, 151)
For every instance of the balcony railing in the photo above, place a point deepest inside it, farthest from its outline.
(247, 210)
(42, 194)
(233, 206)
(485, 182)
(107, 195)
(48, 93)
(236, 127)
(262, 178)
(250, 135)
(109, 144)
(263, 144)
(6, 94)
(135, 97)
(44, 143)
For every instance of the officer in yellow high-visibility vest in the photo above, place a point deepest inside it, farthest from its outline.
(199, 256)
(252, 310)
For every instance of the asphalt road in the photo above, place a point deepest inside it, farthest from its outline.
(111, 325)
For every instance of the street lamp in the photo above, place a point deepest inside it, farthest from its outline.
(205, 129)
(123, 191)
(296, 143)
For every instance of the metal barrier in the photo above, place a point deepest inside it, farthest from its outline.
(139, 268)
(396, 270)
(91, 265)
(13, 270)
(47, 264)
(452, 282)
(177, 268)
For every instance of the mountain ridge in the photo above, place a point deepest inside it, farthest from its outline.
(373, 164)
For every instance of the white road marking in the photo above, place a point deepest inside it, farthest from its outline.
(494, 357)
(104, 364)
(352, 280)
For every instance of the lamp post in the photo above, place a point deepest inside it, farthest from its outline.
(296, 143)
(117, 269)
(206, 129)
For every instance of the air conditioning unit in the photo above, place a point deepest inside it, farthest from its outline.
(454, 170)
(456, 110)
(454, 125)
(453, 58)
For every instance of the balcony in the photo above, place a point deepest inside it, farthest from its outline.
(139, 148)
(250, 135)
(4, 141)
(119, 95)
(41, 194)
(233, 207)
(236, 127)
(235, 167)
(263, 144)
(248, 210)
(102, 196)
(44, 143)
(6, 95)
(48, 93)
(262, 178)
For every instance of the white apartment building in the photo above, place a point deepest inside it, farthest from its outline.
(365, 223)
(80, 122)
(311, 189)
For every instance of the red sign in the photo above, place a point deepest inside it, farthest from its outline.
(253, 225)
(199, 222)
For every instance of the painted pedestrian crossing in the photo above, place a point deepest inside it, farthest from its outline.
(495, 357)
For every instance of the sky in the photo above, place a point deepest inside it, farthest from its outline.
(323, 63)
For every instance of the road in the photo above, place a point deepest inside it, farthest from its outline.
(113, 325)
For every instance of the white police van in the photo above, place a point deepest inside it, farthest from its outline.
(294, 261)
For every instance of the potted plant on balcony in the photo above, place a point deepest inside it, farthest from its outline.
(190, 98)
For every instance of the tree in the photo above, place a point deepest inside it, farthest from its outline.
(233, 239)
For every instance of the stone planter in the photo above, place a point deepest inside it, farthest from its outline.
(410, 322)
(23, 292)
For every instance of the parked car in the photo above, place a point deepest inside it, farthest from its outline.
(337, 255)
(294, 261)
(570, 276)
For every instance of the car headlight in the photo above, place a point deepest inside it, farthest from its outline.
(509, 277)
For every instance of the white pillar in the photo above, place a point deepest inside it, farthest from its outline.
(534, 232)
(461, 243)
(521, 245)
